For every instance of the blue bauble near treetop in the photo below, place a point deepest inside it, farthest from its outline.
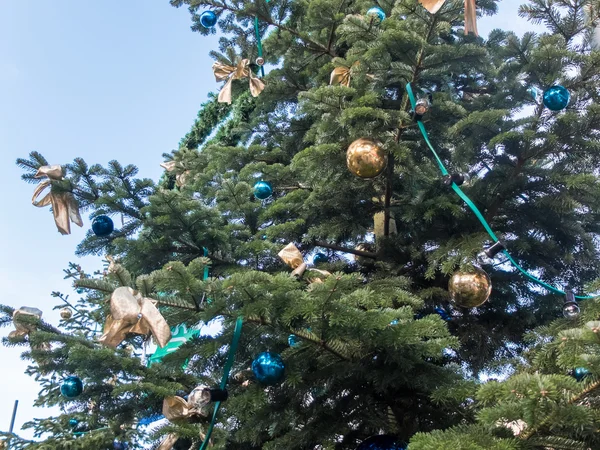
(556, 98)
(102, 226)
(71, 387)
(293, 340)
(376, 11)
(381, 442)
(580, 373)
(268, 368)
(320, 258)
(208, 19)
(263, 190)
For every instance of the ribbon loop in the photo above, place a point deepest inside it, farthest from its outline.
(132, 313)
(173, 166)
(64, 205)
(23, 328)
(224, 72)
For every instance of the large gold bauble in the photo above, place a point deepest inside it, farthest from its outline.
(471, 288)
(366, 158)
(66, 313)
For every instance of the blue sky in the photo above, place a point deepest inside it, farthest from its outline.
(101, 80)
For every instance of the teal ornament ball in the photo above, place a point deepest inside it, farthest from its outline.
(293, 340)
(80, 290)
(263, 190)
(102, 226)
(73, 423)
(381, 442)
(556, 98)
(320, 258)
(71, 387)
(208, 19)
(580, 373)
(268, 368)
(376, 11)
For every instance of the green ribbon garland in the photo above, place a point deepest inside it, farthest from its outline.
(230, 358)
(259, 45)
(474, 208)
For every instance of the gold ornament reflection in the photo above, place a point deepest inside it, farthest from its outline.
(366, 158)
(471, 288)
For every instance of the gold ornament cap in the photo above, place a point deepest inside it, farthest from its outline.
(470, 288)
(366, 158)
(66, 313)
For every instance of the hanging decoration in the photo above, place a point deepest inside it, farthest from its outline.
(66, 313)
(71, 387)
(262, 190)
(103, 226)
(377, 12)
(366, 158)
(268, 368)
(320, 258)
(293, 258)
(180, 176)
(226, 72)
(118, 445)
(470, 288)
(381, 442)
(476, 211)
(433, 6)
(208, 19)
(293, 340)
(22, 328)
(64, 205)
(197, 405)
(132, 313)
(580, 373)
(342, 75)
(556, 98)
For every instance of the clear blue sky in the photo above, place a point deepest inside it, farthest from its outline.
(103, 80)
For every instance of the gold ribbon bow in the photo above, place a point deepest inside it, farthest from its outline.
(226, 72)
(64, 205)
(433, 6)
(293, 258)
(342, 75)
(132, 313)
(23, 328)
(177, 408)
(172, 166)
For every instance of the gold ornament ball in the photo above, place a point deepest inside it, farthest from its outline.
(471, 288)
(366, 158)
(66, 313)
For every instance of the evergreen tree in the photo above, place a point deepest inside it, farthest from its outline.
(377, 345)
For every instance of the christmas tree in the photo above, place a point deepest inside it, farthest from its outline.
(363, 178)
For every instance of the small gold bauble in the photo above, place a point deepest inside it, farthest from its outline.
(366, 158)
(66, 313)
(471, 288)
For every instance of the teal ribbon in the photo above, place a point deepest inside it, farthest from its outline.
(259, 45)
(230, 358)
(474, 208)
(206, 267)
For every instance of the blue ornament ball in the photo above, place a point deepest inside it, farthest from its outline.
(580, 373)
(208, 19)
(80, 290)
(443, 314)
(118, 445)
(73, 423)
(71, 387)
(320, 258)
(293, 340)
(556, 98)
(377, 12)
(102, 226)
(263, 190)
(268, 368)
(381, 442)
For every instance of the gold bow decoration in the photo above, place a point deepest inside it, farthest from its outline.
(226, 72)
(434, 6)
(23, 328)
(64, 205)
(132, 313)
(293, 258)
(177, 408)
(173, 166)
